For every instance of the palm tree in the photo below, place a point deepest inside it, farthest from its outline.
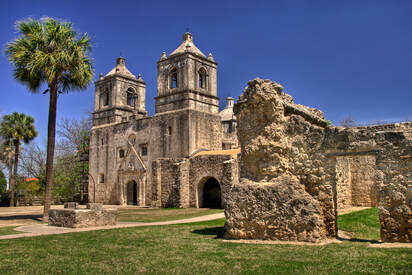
(16, 128)
(50, 52)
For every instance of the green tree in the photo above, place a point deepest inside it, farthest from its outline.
(17, 128)
(51, 52)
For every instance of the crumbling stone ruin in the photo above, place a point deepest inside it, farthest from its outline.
(291, 170)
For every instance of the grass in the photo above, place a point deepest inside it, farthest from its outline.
(189, 249)
(165, 214)
(362, 224)
(9, 230)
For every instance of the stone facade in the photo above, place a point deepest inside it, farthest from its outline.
(295, 170)
(128, 147)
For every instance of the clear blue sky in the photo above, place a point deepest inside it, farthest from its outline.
(343, 57)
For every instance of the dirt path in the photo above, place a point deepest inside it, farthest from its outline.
(351, 209)
(44, 229)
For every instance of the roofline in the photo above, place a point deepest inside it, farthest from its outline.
(188, 53)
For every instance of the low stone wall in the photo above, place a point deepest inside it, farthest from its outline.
(93, 215)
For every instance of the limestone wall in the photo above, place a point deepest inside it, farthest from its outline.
(295, 171)
(356, 184)
(178, 182)
(284, 192)
(392, 146)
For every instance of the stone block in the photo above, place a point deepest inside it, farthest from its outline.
(79, 218)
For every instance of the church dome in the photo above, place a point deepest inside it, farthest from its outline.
(227, 113)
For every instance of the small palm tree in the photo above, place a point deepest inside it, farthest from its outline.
(50, 52)
(17, 128)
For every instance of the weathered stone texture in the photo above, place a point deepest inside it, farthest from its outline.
(95, 215)
(179, 182)
(356, 185)
(295, 171)
(392, 146)
(284, 191)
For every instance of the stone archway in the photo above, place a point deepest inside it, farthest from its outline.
(131, 193)
(209, 193)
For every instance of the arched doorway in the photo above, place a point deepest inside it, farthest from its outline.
(211, 194)
(132, 193)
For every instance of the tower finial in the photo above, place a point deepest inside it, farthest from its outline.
(187, 37)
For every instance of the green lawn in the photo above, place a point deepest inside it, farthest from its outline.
(189, 249)
(362, 224)
(164, 214)
(9, 230)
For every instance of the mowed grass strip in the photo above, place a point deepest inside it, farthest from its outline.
(9, 230)
(362, 224)
(189, 249)
(164, 214)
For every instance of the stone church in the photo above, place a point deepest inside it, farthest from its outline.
(173, 158)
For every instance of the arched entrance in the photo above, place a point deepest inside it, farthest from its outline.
(132, 193)
(210, 194)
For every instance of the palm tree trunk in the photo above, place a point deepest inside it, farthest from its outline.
(50, 150)
(10, 165)
(16, 161)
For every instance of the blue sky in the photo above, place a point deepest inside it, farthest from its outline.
(343, 57)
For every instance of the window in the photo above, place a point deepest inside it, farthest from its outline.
(230, 128)
(102, 141)
(143, 150)
(101, 178)
(105, 98)
(173, 78)
(169, 130)
(202, 78)
(131, 98)
(121, 153)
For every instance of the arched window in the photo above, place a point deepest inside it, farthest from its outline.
(105, 98)
(121, 153)
(202, 78)
(131, 98)
(173, 78)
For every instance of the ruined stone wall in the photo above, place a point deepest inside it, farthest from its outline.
(392, 146)
(356, 181)
(295, 171)
(284, 192)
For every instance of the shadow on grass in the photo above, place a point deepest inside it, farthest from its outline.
(216, 231)
(22, 217)
(357, 240)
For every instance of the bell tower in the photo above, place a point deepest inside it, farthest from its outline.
(187, 80)
(119, 96)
